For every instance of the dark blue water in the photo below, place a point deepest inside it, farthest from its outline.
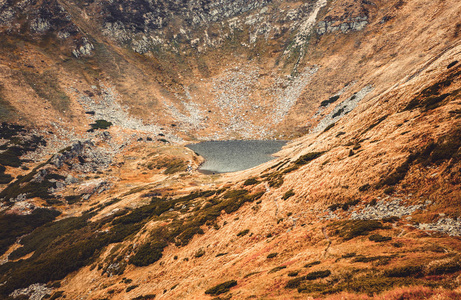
(232, 156)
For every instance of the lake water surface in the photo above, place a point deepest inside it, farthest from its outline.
(236, 155)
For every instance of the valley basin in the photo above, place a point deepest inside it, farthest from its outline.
(235, 155)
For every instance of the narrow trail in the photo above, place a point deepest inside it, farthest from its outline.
(325, 234)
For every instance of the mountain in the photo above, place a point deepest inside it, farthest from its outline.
(100, 198)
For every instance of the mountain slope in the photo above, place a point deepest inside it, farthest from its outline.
(101, 200)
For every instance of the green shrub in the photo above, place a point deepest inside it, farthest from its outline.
(145, 297)
(148, 254)
(10, 157)
(288, 194)
(100, 124)
(331, 125)
(375, 124)
(275, 180)
(293, 273)
(7, 131)
(405, 271)
(200, 252)
(175, 166)
(379, 238)
(243, 232)
(306, 158)
(349, 255)
(276, 269)
(73, 198)
(24, 185)
(334, 206)
(446, 268)
(296, 282)
(13, 226)
(452, 64)
(381, 260)
(272, 255)
(311, 264)
(251, 274)
(364, 187)
(329, 101)
(392, 219)
(5, 178)
(399, 173)
(221, 288)
(250, 181)
(317, 275)
(56, 295)
(389, 190)
(429, 98)
(131, 287)
(433, 102)
(354, 228)
(348, 204)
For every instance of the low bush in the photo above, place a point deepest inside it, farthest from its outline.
(5, 178)
(311, 264)
(348, 204)
(73, 199)
(329, 101)
(430, 97)
(276, 269)
(338, 113)
(25, 185)
(10, 157)
(145, 297)
(100, 124)
(13, 226)
(200, 252)
(221, 288)
(382, 260)
(56, 295)
(445, 268)
(404, 271)
(317, 275)
(349, 255)
(364, 187)
(379, 238)
(452, 64)
(148, 254)
(296, 282)
(354, 228)
(288, 194)
(251, 274)
(375, 124)
(250, 181)
(41, 237)
(275, 180)
(293, 273)
(243, 232)
(272, 255)
(131, 287)
(7, 131)
(389, 190)
(306, 158)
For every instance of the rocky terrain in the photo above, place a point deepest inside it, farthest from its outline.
(100, 198)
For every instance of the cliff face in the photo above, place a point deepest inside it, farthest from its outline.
(211, 66)
(100, 200)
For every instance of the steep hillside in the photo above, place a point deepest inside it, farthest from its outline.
(101, 200)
